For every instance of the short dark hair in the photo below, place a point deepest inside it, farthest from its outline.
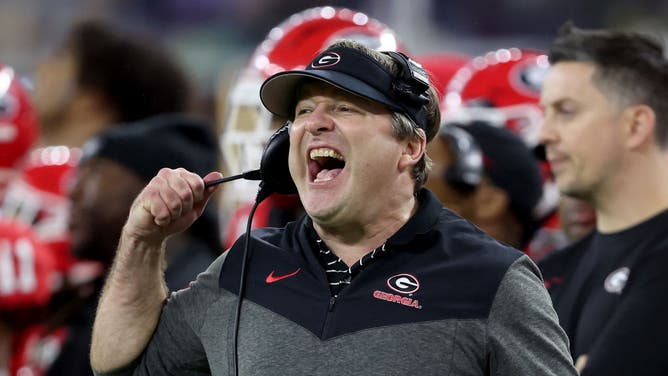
(628, 65)
(137, 78)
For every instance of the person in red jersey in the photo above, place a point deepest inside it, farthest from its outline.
(18, 125)
(27, 273)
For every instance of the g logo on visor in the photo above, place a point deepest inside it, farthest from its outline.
(403, 283)
(325, 60)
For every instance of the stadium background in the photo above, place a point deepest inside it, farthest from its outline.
(214, 38)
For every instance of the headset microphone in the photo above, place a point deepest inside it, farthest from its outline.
(273, 173)
(248, 175)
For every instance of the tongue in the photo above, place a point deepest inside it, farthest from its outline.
(326, 175)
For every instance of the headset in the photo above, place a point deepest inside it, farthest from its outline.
(413, 83)
(274, 164)
(274, 173)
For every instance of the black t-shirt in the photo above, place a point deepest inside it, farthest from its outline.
(610, 292)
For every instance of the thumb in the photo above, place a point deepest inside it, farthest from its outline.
(208, 191)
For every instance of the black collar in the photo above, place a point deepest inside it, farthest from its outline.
(422, 221)
(429, 208)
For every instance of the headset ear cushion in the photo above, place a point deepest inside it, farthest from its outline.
(403, 90)
(274, 163)
(408, 85)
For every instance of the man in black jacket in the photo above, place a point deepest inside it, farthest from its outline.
(376, 279)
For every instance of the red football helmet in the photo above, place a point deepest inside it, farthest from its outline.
(501, 87)
(441, 67)
(290, 45)
(27, 268)
(39, 198)
(18, 124)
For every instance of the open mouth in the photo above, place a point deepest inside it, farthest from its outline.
(325, 164)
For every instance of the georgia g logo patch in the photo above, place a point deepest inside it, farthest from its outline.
(616, 280)
(403, 283)
(325, 60)
(528, 78)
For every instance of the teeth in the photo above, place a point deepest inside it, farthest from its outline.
(325, 152)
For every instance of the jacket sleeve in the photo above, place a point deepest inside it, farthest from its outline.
(175, 347)
(524, 336)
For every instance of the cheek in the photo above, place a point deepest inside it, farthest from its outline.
(51, 89)
(88, 195)
(379, 154)
(112, 211)
(596, 142)
(294, 154)
(114, 219)
(581, 137)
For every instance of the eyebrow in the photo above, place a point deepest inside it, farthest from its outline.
(555, 103)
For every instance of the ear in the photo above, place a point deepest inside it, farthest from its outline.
(639, 124)
(414, 149)
(491, 202)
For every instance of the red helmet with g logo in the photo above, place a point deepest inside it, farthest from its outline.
(290, 45)
(442, 66)
(501, 87)
(18, 123)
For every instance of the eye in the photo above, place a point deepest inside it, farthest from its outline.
(565, 109)
(303, 109)
(562, 111)
(565, 114)
(346, 108)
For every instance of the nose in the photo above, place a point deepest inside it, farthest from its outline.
(319, 120)
(547, 134)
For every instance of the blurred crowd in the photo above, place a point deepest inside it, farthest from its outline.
(109, 109)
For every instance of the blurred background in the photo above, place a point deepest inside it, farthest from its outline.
(214, 38)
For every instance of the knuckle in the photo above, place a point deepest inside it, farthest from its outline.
(174, 206)
(165, 171)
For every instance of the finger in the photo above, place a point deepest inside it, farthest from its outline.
(208, 192)
(169, 192)
(153, 202)
(195, 183)
(187, 186)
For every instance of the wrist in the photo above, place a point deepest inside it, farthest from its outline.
(136, 241)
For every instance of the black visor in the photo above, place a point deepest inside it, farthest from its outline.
(347, 69)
